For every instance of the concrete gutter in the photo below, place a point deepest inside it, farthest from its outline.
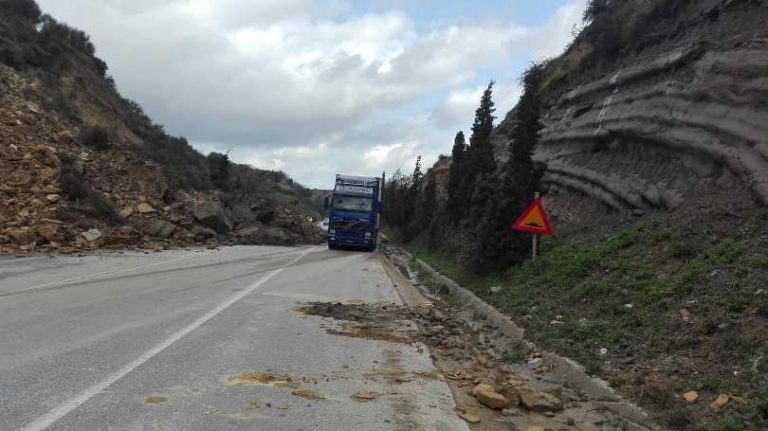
(567, 370)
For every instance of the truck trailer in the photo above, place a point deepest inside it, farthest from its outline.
(355, 210)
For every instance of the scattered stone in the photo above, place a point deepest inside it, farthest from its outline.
(685, 315)
(510, 412)
(48, 231)
(92, 234)
(364, 396)
(495, 289)
(691, 396)
(492, 399)
(720, 402)
(535, 363)
(53, 198)
(126, 212)
(308, 394)
(145, 208)
(22, 236)
(437, 314)
(469, 417)
(155, 400)
(480, 388)
(539, 401)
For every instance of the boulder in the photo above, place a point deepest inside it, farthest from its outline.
(539, 401)
(22, 236)
(200, 233)
(155, 227)
(271, 235)
(211, 215)
(48, 231)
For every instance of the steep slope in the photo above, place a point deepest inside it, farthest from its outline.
(680, 113)
(85, 168)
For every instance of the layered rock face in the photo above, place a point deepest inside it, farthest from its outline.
(684, 118)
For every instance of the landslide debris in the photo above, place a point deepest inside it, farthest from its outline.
(491, 393)
(82, 168)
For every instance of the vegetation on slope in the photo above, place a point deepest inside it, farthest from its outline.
(677, 308)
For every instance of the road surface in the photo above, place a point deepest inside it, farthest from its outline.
(163, 342)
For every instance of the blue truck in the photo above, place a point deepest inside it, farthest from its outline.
(355, 211)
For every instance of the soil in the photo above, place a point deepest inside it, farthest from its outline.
(467, 352)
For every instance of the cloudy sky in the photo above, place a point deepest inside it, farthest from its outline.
(314, 87)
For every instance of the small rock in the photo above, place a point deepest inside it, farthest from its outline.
(495, 289)
(306, 393)
(481, 387)
(691, 396)
(92, 234)
(364, 396)
(535, 428)
(720, 402)
(144, 208)
(535, 363)
(492, 399)
(469, 417)
(685, 315)
(539, 401)
(48, 231)
(53, 198)
(438, 315)
(126, 212)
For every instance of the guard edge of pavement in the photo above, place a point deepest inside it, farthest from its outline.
(567, 369)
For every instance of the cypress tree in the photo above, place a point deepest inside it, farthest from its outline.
(480, 157)
(456, 178)
(495, 245)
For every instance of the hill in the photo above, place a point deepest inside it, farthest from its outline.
(82, 167)
(654, 170)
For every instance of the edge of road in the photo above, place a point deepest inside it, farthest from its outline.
(567, 369)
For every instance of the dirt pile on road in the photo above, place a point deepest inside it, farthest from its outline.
(498, 384)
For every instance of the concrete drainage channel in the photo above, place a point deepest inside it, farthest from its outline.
(566, 370)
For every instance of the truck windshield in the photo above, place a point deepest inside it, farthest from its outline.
(352, 203)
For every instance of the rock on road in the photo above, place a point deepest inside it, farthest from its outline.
(157, 342)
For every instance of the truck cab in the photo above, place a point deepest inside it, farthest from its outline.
(355, 208)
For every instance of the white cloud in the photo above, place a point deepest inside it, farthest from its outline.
(299, 83)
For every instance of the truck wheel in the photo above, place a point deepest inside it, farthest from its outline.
(331, 246)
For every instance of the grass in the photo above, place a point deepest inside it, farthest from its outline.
(624, 293)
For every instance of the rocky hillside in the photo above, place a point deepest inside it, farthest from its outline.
(657, 104)
(82, 167)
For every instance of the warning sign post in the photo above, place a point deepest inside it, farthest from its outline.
(534, 220)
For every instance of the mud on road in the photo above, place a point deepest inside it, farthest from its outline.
(498, 384)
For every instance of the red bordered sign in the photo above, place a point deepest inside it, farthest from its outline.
(534, 220)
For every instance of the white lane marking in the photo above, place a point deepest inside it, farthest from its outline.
(66, 407)
(98, 274)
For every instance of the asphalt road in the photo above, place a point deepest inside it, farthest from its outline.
(155, 342)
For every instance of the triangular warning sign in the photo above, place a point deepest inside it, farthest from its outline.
(534, 220)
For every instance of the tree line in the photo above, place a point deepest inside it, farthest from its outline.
(484, 195)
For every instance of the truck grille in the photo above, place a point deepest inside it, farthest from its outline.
(351, 225)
